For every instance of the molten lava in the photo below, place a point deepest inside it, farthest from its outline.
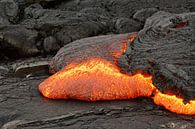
(98, 79)
(174, 104)
(94, 80)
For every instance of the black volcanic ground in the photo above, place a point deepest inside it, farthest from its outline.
(32, 31)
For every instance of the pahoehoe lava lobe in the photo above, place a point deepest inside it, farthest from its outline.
(95, 79)
(165, 48)
(109, 47)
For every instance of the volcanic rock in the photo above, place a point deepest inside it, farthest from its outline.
(125, 25)
(3, 71)
(105, 47)
(8, 12)
(143, 14)
(31, 67)
(68, 21)
(50, 44)
(19, 38)
(164, 48)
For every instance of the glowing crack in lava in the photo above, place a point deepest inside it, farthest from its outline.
(117, 54)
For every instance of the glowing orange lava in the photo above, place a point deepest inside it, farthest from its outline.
(94, 80)
(98, 79)
(174, 104)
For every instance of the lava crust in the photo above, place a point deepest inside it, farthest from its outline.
(157, 62)
(165, 49)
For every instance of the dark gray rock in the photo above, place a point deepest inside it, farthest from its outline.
(71, 20)
(8, 12)
(143, 14)
(94, 47)
(125, 25)
(3, 71)
(18, 38)
(21, 105)
(165, 49)
(82, 30)
(30, 67)
(50, 44)
(36, 68)
(67, 26)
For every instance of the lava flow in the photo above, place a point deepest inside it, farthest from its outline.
(174, 104)
(94, 80)
(98, 79)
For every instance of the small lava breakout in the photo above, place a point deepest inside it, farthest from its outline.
(98, 79)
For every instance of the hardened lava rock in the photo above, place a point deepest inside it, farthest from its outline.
(165, 48)
(108, 47)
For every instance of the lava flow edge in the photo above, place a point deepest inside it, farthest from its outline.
(98, 79)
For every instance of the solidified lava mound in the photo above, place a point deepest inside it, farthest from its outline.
(108, 47)
(165, 49)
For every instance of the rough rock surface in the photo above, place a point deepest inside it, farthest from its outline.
(106, 47)
(71, 20)
(8, 12)
(165, 48)
(143, 14)
(22, 38)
